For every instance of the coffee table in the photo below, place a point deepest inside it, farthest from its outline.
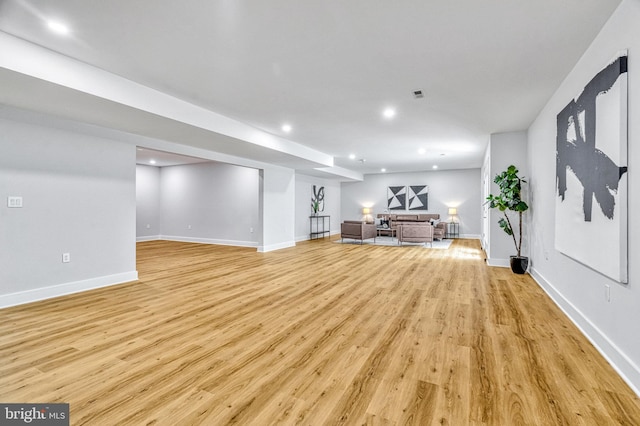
(386, 231)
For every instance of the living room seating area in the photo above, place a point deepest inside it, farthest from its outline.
(407, 228)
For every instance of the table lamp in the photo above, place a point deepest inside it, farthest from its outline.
(366, 211)
(453, 212)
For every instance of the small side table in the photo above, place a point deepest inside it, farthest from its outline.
(320, 228)
(453, 230)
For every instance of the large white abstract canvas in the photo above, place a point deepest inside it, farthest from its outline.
(591, 174)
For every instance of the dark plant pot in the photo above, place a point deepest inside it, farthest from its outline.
(519, 264)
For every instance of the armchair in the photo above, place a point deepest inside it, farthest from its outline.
(356, 230)
(419, 232)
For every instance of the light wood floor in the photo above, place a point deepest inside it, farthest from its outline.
(322, 333)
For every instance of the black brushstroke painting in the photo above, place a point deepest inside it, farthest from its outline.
(597, 173)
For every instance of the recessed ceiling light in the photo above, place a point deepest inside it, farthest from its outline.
(286, 128)
(383, 170)
(352, 156)
(389, 113)
(58, 27)
(435, 166)
(422, 151)
(152, 161)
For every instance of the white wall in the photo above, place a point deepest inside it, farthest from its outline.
(580, 291)
(506, 149)
(447, 188)
(485, 175)
(209, 202)
(147, 202)
(277, 209)
(304, 192)
(79, 198)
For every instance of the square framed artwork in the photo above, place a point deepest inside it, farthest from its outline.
(397, 197)
(418, 197)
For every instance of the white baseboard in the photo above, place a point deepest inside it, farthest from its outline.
(625, 366)
(28, 296)
(272, 247)
(148, 238)
(306, 237)
(235, 243)
(470, 236)
(503, 263)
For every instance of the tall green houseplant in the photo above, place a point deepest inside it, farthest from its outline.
(509, 199)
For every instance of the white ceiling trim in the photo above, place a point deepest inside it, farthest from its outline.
(34, 61)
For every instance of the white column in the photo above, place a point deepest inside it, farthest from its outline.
(277, 209)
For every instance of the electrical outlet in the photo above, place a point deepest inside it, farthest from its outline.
(188, 226)
(148, 226)
(66, 257)
(607, 292)
(251, 229)
(14, 202)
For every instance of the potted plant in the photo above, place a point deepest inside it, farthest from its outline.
(509, 199)
(315, 207)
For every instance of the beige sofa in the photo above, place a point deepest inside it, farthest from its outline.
(357, 230)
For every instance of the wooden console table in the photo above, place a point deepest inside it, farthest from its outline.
(320, 223)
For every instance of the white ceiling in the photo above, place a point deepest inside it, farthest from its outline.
(329, 68)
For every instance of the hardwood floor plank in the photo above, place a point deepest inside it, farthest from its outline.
(320, 333)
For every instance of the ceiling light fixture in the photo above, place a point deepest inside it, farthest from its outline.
(389, 113)
(58, 27)
(422, 151)
(286, 128)
(152, 161)
(435, 166)
(352, 156)
(383, 170)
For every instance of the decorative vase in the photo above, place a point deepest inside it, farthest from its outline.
(519, 264)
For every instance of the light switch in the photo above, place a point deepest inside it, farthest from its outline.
(14, 202)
